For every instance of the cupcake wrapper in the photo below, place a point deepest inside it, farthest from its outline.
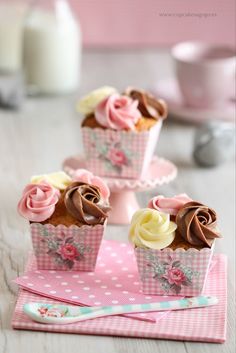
(66, 248)
(122, 154)
(173, 272)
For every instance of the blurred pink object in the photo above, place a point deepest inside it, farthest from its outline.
(154, 23)
(205, 73)
(169, 205)
(88, 177)
(169, 90)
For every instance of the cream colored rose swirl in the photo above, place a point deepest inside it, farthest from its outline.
(151, 229)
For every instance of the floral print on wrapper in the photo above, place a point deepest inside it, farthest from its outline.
(112, 153)
(64, 249)
(172, 274)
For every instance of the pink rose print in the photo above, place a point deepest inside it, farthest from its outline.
(54, 313)
(43, 311)
(171, 274)
(68, 252)
(113, 153)
(175, 276)
(65, 250)
(117, 157)
(51, 311)
(38, 201)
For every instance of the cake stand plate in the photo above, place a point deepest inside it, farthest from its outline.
(123, 199)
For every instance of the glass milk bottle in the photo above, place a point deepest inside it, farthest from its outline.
(11, 30)
(52, 48)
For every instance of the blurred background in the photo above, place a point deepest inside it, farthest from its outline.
(30, 29)
(154, 23)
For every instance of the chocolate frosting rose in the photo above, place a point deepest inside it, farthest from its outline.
(84, 202)
(148, 105)
(197, 223)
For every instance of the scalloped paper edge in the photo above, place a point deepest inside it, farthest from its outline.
(177, 250)
(123, 132)
(73, 226)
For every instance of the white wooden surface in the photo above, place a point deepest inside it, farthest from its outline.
(37, 139)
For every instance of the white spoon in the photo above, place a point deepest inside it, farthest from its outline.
(67, 314)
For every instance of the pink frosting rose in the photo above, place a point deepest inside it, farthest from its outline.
(87, 177)
(175, 276)
(38, 201)
(68, 252)
(169, 205)
(117, 157)
(117, 112)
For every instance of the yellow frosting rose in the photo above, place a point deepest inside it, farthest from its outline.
(151, 229)
(59, 180)
(87, 104)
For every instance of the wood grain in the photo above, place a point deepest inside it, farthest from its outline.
(47, 130)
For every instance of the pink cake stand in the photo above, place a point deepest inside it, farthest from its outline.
(123, 199)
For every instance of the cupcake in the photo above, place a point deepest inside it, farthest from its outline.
(120, 131)
(174, 241)
(67, 218)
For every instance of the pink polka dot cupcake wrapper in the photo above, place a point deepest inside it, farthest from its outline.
(66, 248)
(179, 272)
(122, 154)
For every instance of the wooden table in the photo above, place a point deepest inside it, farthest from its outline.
(36, 140)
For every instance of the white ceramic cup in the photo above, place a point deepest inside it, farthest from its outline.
(205, 73)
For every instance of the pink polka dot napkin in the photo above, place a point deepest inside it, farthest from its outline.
(201, 324)
(115, 281)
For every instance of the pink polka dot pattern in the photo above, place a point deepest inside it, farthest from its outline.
(40, 277)
(114, 282)
(202, 324)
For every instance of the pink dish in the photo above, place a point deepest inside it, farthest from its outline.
(169, 90)
(205, 73)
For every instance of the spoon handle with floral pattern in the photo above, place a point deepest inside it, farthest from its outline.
(65, 314)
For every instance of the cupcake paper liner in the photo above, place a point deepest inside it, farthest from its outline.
(173, 272)
(66, 248)
(122, 154)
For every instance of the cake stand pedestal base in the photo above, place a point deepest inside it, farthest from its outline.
(123, 205)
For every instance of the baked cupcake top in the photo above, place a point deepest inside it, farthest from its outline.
(177, 222)
(134, 110)
(59, 199)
